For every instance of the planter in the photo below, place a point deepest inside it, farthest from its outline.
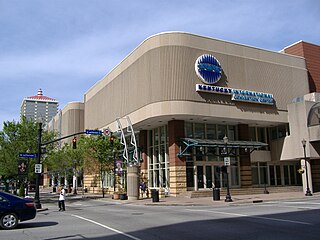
(116, 196)
(123, 196)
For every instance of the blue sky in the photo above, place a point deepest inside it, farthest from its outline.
(66, 46)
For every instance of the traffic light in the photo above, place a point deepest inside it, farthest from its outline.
(111, 141)
(74, 143)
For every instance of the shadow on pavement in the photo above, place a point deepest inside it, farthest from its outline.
(24, 225)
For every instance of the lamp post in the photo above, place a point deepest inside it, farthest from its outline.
(308, 192)
(228, 196)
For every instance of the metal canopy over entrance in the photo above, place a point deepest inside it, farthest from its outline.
(195, 142)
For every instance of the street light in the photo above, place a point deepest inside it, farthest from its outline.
(228, 196)
(308, 192)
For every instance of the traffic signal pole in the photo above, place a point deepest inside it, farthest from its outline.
(37, 195)
(40, 144)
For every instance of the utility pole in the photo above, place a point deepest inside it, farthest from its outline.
(40, 144)
(37, 195)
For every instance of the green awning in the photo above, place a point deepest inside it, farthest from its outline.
(196, 142)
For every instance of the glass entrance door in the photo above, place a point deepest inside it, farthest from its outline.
(204, 176)
(217, 176)
(200, 176)
(208, 183)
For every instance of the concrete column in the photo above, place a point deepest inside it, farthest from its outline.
(304, 176)
(133, 182)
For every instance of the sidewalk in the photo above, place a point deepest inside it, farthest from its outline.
(205, 201)
(47, 196)
(237, 199)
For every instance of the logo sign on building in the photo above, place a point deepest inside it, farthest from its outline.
(238, 94)
(208, 69)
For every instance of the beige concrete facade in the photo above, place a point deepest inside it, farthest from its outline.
(157, 80)
(69, 120)
(155, 85)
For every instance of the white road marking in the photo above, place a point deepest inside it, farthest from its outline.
(109, 228)
(256, 217)
(302, 203)
(296, 205)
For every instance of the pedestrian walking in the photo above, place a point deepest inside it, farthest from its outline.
(61, 199)
(143, 188)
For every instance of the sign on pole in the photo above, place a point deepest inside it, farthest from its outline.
(22, 167)
(107, 132)
(28, 155)
(38, 168)
(94, 132)
(227, 161)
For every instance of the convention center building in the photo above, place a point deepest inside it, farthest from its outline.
(209, 113)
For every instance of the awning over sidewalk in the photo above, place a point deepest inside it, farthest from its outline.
(187, 143)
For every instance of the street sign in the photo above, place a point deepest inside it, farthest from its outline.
(227, 161)
(28, 155)
(94, 132)
(38, 168)
(107, 132)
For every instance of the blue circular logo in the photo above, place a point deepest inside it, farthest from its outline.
(208, 69)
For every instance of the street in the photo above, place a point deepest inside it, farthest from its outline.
(107, 219)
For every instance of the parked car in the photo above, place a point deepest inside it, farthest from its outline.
(14, 209)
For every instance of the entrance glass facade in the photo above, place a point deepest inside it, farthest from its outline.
(204, 163)
(158, 160)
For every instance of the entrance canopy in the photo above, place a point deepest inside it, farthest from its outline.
(187, 143)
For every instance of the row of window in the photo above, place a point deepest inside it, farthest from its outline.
(158, 159)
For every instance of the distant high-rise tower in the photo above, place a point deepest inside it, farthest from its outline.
(39, 108)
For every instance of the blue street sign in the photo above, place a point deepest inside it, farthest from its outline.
(28, 155)
(94, 132)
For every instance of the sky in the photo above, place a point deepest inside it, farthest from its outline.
(64, 47)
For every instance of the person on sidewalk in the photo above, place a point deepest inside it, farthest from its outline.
(143, 188)
(61, 199)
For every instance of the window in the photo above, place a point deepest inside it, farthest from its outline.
(199, 130)
(188, 130)
(222, 131)
(279, 132)
(205, 157)
(259, 173)
(211, 131)
(158, 158)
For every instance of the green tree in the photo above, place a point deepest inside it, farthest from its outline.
(67, 161)
(99, 155)
(15, 138)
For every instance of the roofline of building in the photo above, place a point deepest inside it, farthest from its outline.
(179, 32)
(300, 41)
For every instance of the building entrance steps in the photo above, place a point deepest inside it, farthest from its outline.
(244, 191)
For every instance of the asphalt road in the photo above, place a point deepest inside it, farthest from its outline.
(101, 219)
